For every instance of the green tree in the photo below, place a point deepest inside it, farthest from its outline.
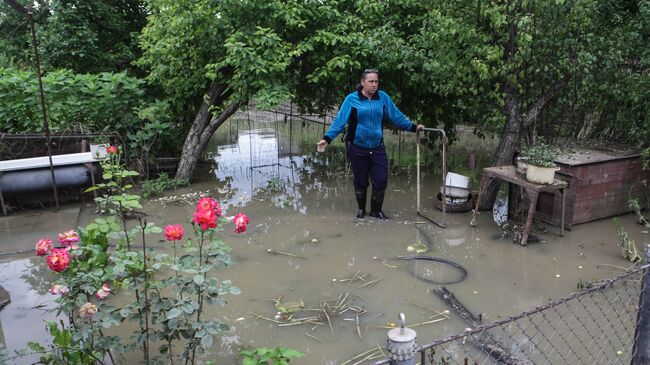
(211, 58)
(15, 36)
(92, 36)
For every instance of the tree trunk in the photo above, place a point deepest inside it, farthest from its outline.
(511, 134)
(202, 129)
(507, 145)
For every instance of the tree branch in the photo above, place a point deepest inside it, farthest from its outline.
(539, 105)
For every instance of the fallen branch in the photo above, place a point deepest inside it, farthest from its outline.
(484, 341)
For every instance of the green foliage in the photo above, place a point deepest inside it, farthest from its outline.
(266, 356)
(95, 102)
(540, 154)
(92, 36)
(628, 246)
(162, 183)
(115, 198)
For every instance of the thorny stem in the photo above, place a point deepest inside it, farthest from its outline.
(200, 289)
(146, 296)
(176, 263)
(110, 354)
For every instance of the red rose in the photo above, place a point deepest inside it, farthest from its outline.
(59, 259)
(241, 221)
(207, 203)
(174, 232)
(111, 150)
(207, 219)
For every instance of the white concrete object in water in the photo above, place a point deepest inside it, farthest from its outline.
(33, 174)
(457, 186)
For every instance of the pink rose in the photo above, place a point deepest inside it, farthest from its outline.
(59, 289)
(68, 237)
(241, 221)
(103, 292)
(174, 232)
(43, 246)
(58, 259)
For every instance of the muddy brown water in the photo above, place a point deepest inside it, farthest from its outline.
(302, 203)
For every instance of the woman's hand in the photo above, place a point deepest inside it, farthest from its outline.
(320, 146)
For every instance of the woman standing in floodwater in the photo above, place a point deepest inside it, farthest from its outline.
(364, 111)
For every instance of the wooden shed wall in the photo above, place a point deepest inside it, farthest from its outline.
(596, 190)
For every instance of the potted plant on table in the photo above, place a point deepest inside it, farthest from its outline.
(540, 159)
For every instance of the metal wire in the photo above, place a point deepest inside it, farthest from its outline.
(594, 326)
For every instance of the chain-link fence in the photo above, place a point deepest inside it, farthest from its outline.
(595, 326)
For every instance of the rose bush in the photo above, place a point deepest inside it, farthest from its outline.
(88, 273)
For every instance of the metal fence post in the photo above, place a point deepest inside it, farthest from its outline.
(402, 345)
(641, 349)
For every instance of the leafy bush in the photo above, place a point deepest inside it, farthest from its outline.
(95, 102)
(168, 293)
(162, 183)
(541, 155)
(265, 356)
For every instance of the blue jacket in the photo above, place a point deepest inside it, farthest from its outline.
(364, 118)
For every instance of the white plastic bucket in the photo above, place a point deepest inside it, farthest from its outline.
(457, 180)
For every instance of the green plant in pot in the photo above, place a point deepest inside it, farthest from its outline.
(541, 163)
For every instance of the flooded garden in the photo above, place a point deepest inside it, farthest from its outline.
(310, 276)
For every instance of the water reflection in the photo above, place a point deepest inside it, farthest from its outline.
(256, 166)
(30, 306)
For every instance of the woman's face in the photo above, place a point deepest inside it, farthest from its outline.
(370, 83)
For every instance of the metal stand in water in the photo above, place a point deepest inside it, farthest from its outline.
(444, 176)
(402, 345)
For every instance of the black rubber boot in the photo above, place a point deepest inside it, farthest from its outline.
(361, 199)
(376, 201)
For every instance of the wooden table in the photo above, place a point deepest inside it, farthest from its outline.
(508, 174)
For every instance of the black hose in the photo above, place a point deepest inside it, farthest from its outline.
(457, 266)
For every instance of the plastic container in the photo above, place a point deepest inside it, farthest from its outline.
(455, 192)
(541, 175)
(457, 180)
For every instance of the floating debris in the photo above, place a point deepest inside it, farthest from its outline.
(295, 313)
(355, 277)
(276, 252)
(372, 354)
(371, 283)
(314, 337)
(183, 199)
(417, 248)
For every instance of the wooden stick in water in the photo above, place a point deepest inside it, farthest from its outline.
(266, 318)
(357, 356)
(358, 329)
(371, 283)
(314, 337)
(276, 252)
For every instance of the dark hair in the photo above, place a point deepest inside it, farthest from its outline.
(369, 71)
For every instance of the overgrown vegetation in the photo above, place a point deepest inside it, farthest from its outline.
(160, 184)
(540, 154)
(555, 69)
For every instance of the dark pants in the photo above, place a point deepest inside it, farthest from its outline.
(369, 163)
